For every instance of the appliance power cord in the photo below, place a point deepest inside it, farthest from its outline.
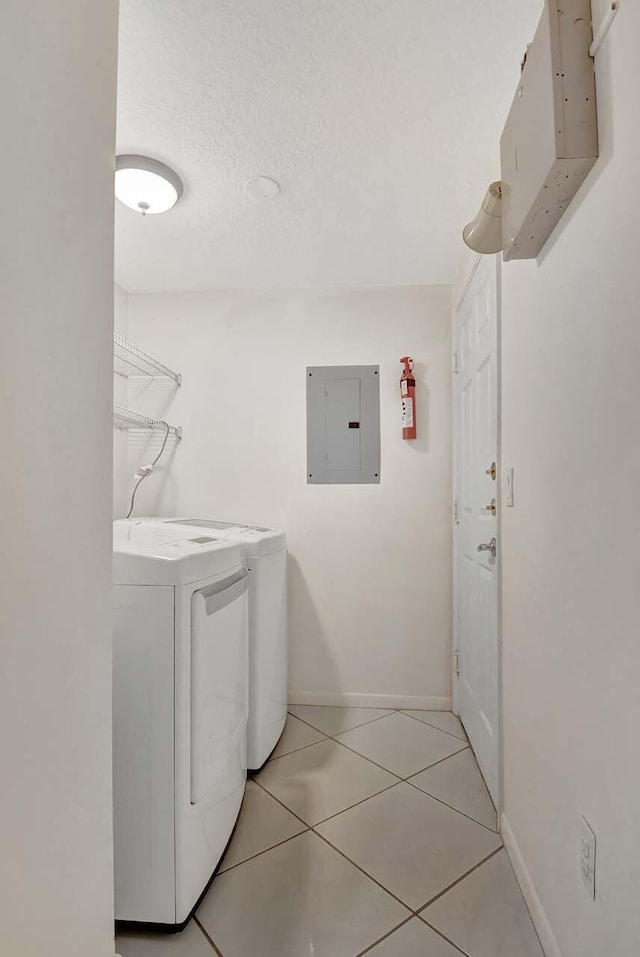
(147, 470)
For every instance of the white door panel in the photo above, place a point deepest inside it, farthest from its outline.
(476, 573)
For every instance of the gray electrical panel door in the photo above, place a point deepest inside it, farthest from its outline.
(343, 425)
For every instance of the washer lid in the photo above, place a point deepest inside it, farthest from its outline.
(146, 554)
(205, 523)
(254, 539)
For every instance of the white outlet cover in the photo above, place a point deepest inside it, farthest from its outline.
(588, 857)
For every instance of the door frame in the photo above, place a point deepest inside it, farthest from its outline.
(455, 412)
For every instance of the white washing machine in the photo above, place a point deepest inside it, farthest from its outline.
(265, 554)
(180, 708)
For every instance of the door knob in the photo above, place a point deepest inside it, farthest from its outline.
(493, 471)
(489, 547)
(493, 508)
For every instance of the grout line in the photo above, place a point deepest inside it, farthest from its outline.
(491, 830)
(415, 911)
(218, 952)
(408, 920)
(463, 747)
(271, 847)
(357, 804)
(434, 726)
(331, 816)
(395, 775)
(362, 871)
(413, 774)
(386, 936)
(453, 884)
(365, 758)
(389, 711)
(276, 757)
(456, 947)
(312, 828)
(266, 791)
(335, 740)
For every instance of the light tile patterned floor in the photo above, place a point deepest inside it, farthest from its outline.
(368, 832)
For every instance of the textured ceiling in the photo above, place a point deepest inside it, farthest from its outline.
(379, 118)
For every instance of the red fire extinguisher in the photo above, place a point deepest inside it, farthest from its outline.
(408, 394)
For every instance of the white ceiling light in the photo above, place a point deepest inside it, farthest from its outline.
(146, 185)
(262, 187)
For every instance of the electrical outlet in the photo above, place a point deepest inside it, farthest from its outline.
(588, 857)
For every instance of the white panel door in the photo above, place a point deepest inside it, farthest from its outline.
(476, 546)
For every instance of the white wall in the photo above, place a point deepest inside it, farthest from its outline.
(57, 74)
(121, 396)
(571, 413)
(370, 565)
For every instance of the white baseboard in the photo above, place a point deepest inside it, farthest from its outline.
(356, 700)
(538, 916)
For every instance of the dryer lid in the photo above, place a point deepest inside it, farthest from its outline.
(255, 539)
(148, 554)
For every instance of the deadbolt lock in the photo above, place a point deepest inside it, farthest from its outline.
(493, 471)
(493, 508)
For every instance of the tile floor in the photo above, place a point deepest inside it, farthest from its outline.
(368, 832)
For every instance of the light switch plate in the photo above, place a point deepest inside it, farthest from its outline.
(508, 488)
(588, 857)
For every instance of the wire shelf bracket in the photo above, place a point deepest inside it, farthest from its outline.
(130, 361)
(129, 420)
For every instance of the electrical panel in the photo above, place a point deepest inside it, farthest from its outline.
(550, 141)
(343, 425)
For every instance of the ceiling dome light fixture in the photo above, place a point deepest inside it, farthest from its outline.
(146, 185)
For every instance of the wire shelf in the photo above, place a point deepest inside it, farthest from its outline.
(130, 420)
(129, 361)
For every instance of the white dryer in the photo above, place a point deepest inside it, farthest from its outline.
(180, 708)
(265, 554)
